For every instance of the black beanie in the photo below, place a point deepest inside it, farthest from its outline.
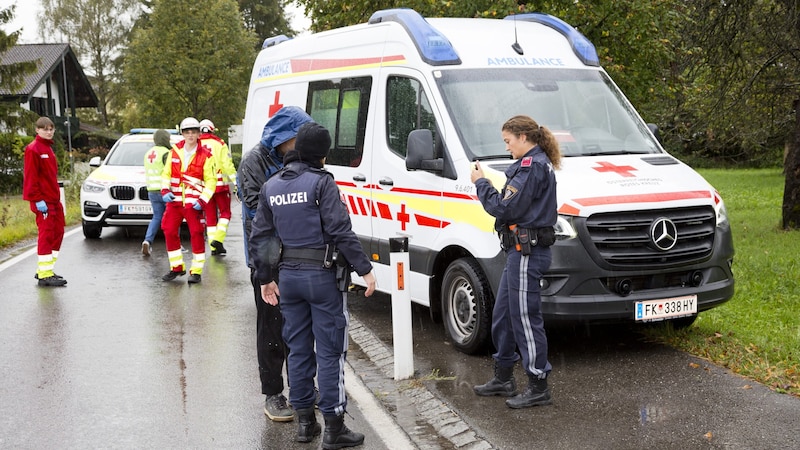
(313, 143)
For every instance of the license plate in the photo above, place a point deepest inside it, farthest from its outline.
(666, 308)
(135, 209)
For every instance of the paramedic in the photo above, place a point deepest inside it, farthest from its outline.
(525, 212)
(40, 187)
(217, 226)
(302, 205)
(187, 184)
(256, 167)
(154, 161)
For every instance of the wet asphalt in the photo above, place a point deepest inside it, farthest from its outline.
(121, 359)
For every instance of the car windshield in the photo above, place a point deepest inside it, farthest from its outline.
(583, 108)
(128, 154)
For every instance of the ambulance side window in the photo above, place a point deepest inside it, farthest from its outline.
(407, 109)
(341, 107)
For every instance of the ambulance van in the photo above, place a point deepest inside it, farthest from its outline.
(410, 102)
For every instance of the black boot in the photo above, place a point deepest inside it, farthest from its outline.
(502, 384)
(536, 394)
(337, 435)
(307, 426)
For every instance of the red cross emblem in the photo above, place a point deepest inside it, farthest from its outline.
(273, 108)
(403, 217)
(151, 156)
(624, 171)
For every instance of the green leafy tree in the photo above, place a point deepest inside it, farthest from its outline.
(195, 64)
(97, 30)
(265, 18)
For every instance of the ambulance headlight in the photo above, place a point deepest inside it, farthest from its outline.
(722, 213)
(564, 228)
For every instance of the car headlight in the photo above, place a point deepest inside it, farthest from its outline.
(94, 188)
(564, 228)
(722, 213)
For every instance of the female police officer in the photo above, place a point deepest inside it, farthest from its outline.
(525, 211)
(302, 205)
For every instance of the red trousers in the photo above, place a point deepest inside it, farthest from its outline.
(51, 228)
(171, 225)
(220, 201)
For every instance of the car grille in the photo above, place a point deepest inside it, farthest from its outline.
(122, 192)
(128, 193)
(623, 240)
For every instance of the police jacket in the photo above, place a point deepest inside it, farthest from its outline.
(303, 206)
(528, 198)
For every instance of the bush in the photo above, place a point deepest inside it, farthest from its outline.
(12, 151)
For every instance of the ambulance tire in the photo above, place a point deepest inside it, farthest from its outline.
(467, 301)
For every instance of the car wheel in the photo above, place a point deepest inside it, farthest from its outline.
(91, 231)
(467, 305)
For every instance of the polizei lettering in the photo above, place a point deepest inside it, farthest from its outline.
(288, 199)
(521, 61)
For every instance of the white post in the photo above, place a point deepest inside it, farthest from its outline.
(401, 309)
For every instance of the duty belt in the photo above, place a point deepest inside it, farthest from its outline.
(307, 255)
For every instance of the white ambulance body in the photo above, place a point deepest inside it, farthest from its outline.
(411, 102)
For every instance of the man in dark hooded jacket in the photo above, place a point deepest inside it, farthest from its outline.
(257, 165)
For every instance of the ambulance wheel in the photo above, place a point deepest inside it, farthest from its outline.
(466, 305)
(91, 231)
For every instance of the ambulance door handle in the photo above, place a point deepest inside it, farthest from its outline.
(386, 181)
(360, 177)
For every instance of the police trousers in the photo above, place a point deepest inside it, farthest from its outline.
(517, 315)
(314, 312)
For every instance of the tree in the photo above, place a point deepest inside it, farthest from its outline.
(97, 30)
(265, 18)
(195, 65)
(12, 76)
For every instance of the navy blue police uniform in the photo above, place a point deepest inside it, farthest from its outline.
(528, 200)
(302, 205)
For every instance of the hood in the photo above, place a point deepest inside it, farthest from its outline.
(588, 185)
(283, 126)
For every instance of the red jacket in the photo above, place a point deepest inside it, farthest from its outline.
(40, 172)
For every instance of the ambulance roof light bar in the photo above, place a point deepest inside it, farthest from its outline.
(433, 46)
(269, 42)
(582, 47)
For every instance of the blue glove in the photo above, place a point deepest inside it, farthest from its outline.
(41, 206)
(197, 206)
(168, 197)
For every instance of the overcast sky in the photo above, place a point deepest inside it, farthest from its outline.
(27, 10)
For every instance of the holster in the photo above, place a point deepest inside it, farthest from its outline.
(343, 272)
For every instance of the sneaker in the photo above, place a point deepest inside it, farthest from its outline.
(194, 278)
(277, 409)
(217, 248)
(146, 248)
(52, 281)
(171, 275)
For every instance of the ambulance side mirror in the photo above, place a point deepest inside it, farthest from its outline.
(95, 161)
(421, 153)
(654, 129)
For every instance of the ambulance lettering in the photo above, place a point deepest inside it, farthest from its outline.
(550, 62)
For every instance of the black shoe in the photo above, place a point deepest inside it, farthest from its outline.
(277, 408)
(337, 435)
(194, 278)
(217, 248)
(52, 281)
(171, 275)
(536, 394)
(501, 384)
(307, 425)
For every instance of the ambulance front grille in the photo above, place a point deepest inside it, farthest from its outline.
(623, 239)
(122, 192)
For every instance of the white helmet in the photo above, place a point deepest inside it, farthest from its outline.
(189, 122)
(206, 126)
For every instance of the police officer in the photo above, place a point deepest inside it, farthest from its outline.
(258, 165)
(525, 211)
(302, 205)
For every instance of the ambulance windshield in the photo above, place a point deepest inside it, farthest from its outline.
(583, 108)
